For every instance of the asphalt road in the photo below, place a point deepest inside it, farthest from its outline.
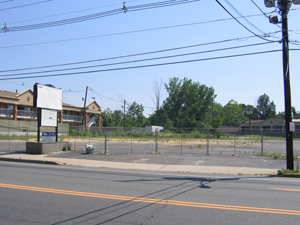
(43, 194)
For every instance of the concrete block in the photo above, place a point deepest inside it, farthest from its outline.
(44, 148)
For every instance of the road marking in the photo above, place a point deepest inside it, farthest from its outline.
(286, 189)
(153, 201)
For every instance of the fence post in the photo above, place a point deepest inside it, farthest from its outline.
(89, 136)
(234, 145)
(207, 143)
(27, 134)
(8, 137)
(105, 142)
(156, 140)
(262, 142)
(181, 141)
(75, 139)
(131, 139)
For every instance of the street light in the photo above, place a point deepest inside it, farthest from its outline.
(284, 6)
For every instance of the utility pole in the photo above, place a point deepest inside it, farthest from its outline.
(284, 6)
(287, 88)
(124, 116)
(84, 116)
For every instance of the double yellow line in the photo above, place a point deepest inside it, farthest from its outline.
(154, 201)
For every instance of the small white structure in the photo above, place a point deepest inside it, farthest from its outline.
(153, 128)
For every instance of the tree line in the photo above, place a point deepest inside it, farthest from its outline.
(191, 104)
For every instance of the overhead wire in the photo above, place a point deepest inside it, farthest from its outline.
(60, 14)
(105, 96)
(294, 42)
(127, 32)
(6, 1)
(30, 4)
(130, 55)
(145, 66)
(97, 15)
(244, 18)
(244, 25)
(138, 60)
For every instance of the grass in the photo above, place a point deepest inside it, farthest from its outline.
(285, 171)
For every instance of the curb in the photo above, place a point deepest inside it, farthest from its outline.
(290, 175)
(30, 161)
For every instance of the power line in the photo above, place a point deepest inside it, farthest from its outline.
(20, 6)
(264, 12)
(6, 1)
(59, 14)
(98, 15)
(105, 96)
(74, 91)
(244, 25)
(129, 32)
(120, 101)
(131, 55)
(145, 66)
(138, 60)
(241, 16)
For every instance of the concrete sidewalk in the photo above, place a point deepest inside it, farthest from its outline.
(21, 157)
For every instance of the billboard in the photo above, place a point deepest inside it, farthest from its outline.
(47, 97)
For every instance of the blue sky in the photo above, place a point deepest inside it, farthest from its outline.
(242, 79)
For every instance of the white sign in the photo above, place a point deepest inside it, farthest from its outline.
(48, 97)
(49, 118)
(292, 127)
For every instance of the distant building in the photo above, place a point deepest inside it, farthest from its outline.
(230, 130)
(19, 106)
(153, 128)
(272, 126)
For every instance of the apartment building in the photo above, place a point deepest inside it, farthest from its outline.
(19, 106)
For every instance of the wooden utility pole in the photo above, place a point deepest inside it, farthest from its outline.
(287, 89)
(84, 112)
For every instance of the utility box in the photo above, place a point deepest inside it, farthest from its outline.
(269, 3)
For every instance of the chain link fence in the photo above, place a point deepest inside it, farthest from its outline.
(120, 141)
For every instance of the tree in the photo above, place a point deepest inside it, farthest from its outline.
(233, 114)
(160, 118)
(108, 119)
(157, 89)
(135, 116)
(280, 115)
(214, 117)
(119, 118)
(266, 108)
(295, 114)
(255, 112)
(187, 103)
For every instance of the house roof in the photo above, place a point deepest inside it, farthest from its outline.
(229, 129)
(18, 99)
(254, 121)
(69, 105)
(92, 103)
(8, 94)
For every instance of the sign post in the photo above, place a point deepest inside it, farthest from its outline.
(48, 100)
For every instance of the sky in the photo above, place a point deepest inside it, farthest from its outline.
(203, 24)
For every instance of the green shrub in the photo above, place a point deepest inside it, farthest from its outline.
(220, 133)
